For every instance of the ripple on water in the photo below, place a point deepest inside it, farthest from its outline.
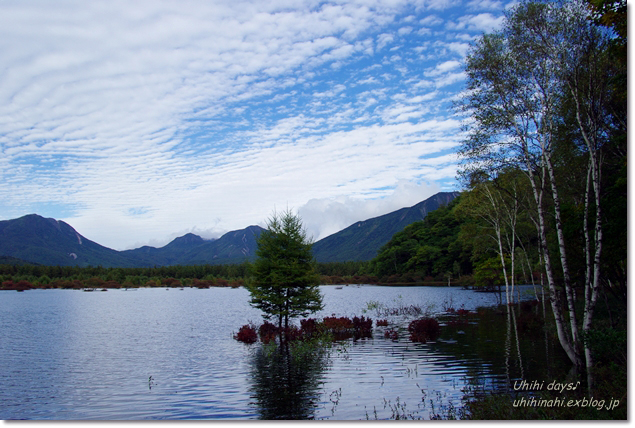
(157, 355)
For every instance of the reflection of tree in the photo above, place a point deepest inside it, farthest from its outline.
(287, 379)
(502, 345)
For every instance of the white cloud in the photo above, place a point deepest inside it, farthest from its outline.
(431, 21)
(323, 217)
(485, 4)
(383, 40)
(450, 79)
(443, 68)
(134, 121)
(483, 22)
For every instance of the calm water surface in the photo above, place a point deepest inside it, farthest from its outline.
(169, 354)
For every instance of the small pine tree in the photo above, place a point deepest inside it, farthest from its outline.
(284, 279)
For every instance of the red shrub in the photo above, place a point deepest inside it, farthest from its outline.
(267, 332)
(202, 283)
(112, 284)
(338, 325)
(382, 323)
(236, 283)
(292, 334)
(309, 326)
(424, 329)
(362, 325)
(246, 334)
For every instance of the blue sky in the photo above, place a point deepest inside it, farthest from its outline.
(140, 121)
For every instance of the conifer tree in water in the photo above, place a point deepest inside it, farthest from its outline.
(285, 282)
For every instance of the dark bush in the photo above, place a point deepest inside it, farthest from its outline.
(292, 334)
(363, 326)
(267, 332)
(246, 334)
(382, 323)
(171, 282)
(309, 326)
(338, 325)
(424, 329)
(344, 328)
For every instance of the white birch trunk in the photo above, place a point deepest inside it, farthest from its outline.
(556, 306)
(563, 255)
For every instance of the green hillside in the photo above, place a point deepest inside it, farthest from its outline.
(362, 240)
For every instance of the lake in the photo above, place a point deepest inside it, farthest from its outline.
(170, 354)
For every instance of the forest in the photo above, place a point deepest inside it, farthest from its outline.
(27, 276)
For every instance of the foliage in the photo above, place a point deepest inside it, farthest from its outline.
(392, 334)
(328, 329)
(488, 274)
(246, 334)
(546, 100)
(424, 329)
(284, 282)
(267, 332)
(428, 248)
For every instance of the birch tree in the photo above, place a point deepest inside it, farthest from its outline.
(518, 79)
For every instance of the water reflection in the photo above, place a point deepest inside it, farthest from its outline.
(287, 379)
(72, 355)
(512, 340)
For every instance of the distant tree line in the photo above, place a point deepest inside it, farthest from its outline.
(40, 276)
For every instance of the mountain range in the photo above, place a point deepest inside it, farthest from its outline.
(47, 241)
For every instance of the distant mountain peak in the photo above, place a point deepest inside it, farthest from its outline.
(363, 239)
(188, 238)
(48, 241)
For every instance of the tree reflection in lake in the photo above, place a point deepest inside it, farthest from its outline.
(287, 379)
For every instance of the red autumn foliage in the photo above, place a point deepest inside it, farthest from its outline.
(382, 323)
(309, 326)
(246, 334)
(424, 329)
(363, 326)
(337, 325)
(292, 334)
(202, 283)
(171, 282)
(267, 332)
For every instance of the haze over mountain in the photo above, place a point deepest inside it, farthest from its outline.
(47, 241)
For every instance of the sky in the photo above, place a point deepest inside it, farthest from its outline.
(140, 121)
